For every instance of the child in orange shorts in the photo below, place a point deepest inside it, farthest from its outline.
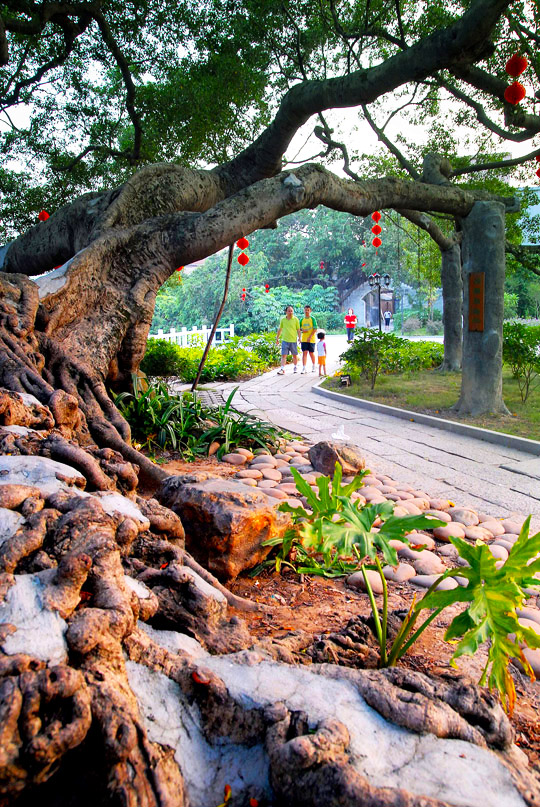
(321, 353)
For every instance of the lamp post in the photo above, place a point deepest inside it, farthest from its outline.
(376, 280)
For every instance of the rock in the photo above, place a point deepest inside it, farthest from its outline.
(509, 537)
(419, 539)
(263, 459)
(246, 452)
(411, 508)
(439, 504)
(259, 451)
(448, 551)
(404, 495)
(372, 481)
(372, 494)
(249, 473)
(43, 473)
(275, 493)
(271, 473)
(440, 514)
(453, 530)
(356, 580)
(397, 544)
(266, 483)
(505, 544)
(225, 522)
(386, 489)
(427, 580)
(281, 464)
(284, 457)
(324, 456)
(399, 510)
(421, 503)
(477, 534)
(293, 502)
(428, 562)
(498, 552)
(234, 459)
(532, 614)
(248, 481)
(494, 527)
(289, 488)
(400, 573)
(466, 517)
(511, 526)
(213, 449)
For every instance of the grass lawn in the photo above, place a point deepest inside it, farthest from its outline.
(435, 393)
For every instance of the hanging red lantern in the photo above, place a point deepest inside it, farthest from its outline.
(376, 216)
(538, 158)
(515, 65)
(43, 215)
(515, 93)
(179, 268)
(376, 242)
(243, 259)
(242, 243)
(267, 287)
(362, 266)
(538, 173)
(376, 229)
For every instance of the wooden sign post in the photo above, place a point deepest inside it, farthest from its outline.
(476, 301)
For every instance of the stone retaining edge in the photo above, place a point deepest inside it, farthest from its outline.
(489, 436)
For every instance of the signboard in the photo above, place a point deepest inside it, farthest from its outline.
(476, 301)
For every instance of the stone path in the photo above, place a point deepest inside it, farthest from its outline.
(468, 471)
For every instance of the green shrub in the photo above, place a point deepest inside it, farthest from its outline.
(374, 352)
(521, 351)
(433, 327)
(161, 358)
(412, 324)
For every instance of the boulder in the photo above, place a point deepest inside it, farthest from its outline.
(324, 455)
(21, 409)
(225, 521)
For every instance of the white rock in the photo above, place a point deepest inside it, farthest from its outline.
(116, 503)
(10, 521)
(40, 632)
(174, 642)
(141, 590)
(39, 472)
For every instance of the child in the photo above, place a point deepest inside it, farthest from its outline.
(321, 353)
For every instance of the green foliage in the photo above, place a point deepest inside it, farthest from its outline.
(521, 351)
(158, 418)
(510, 305)
(493, 596)
(236, 358)
(373, 352)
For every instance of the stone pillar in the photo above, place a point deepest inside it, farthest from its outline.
(483, 303)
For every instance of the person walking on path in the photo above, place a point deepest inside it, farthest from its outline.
(350, 323)
(308, 327)
(387, 317)
(289, 329)
(321, 353)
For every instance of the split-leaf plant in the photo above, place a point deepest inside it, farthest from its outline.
(321, 541)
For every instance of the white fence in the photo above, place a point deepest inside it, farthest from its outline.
(184, 338)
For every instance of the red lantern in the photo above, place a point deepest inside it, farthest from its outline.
(538, 158)
(267, 287)
(321, 265)
(376, 229)
(362, 266)
(515, 93)
(538, 173)
(376, 216)
(515, 65)
(243, 243)
(179, 268)
(243, 259)
(43, 215)
(376, 242)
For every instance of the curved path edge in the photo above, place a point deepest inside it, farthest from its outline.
(489, 436)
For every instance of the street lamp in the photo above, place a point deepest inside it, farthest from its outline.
(377, 280)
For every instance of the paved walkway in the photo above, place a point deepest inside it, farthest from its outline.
(463, 469)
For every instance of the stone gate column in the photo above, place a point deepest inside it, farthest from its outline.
(483, 302)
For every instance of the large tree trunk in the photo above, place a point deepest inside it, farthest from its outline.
(484, 255)
(452, 292)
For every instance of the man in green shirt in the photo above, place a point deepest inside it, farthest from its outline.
(289, 329)
(308, 327)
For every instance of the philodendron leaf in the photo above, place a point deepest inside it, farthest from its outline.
(493, 596)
